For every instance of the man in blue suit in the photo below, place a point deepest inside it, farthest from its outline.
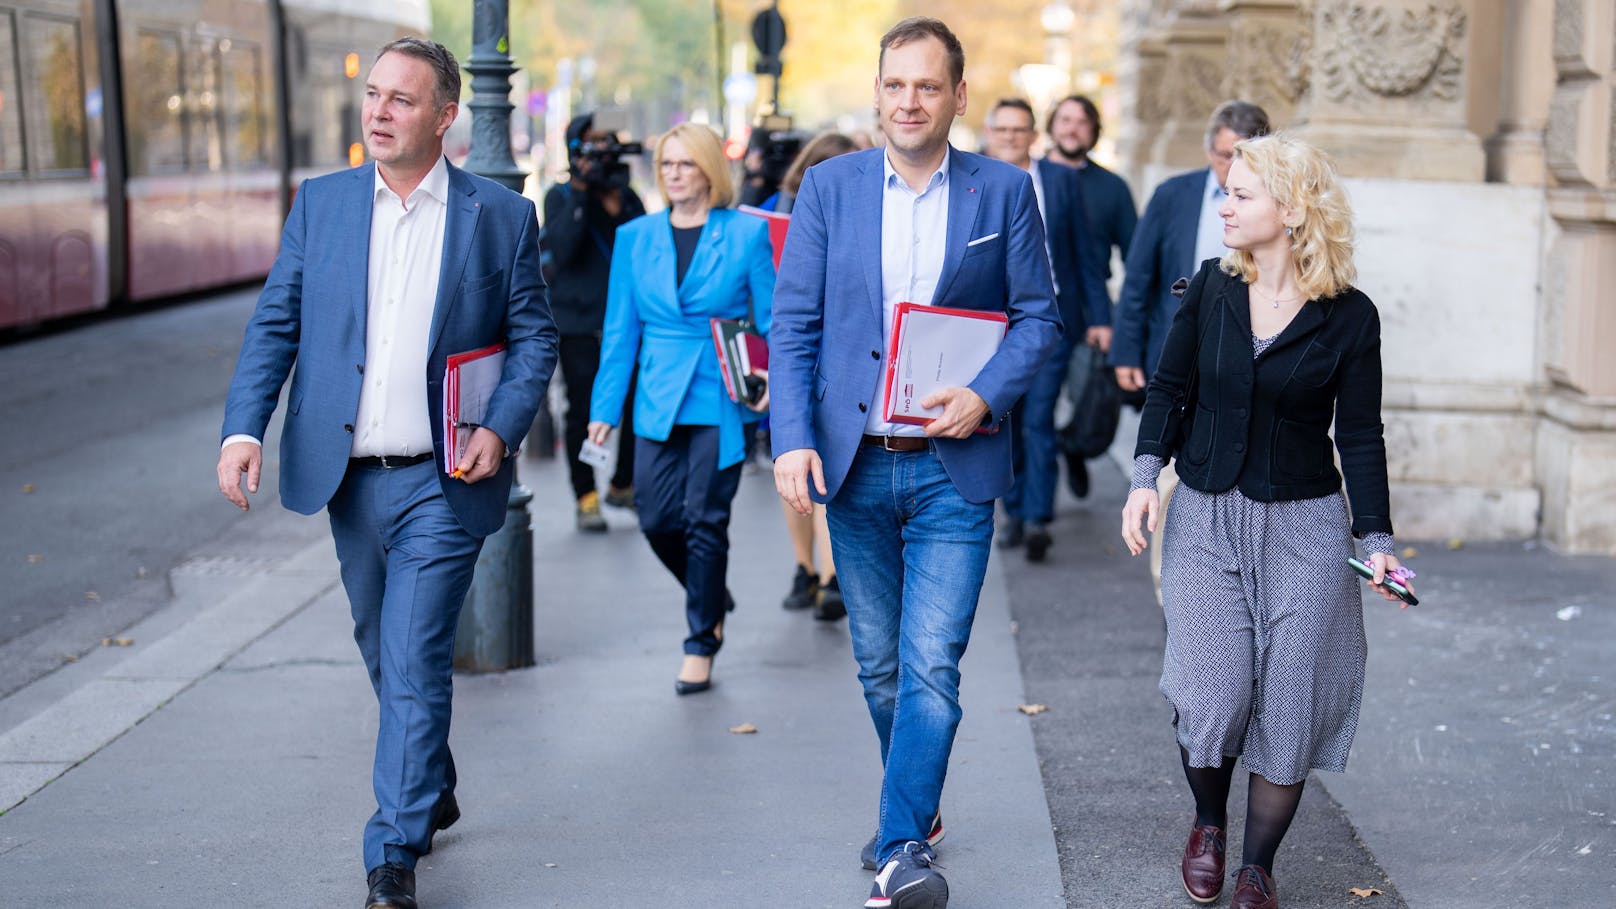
(922, 222)
(384, 271)
(1085, 310)
(1180, 230)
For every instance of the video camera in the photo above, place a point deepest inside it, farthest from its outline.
(779, 145)
(600, 163)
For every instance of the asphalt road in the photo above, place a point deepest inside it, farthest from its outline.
(107, 473)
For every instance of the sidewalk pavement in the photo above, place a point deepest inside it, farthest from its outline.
(227, 761)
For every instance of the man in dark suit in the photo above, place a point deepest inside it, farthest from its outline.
(1085, 310)
(1074, 127)
(1180, 230)
(920, 222)
(384, 271)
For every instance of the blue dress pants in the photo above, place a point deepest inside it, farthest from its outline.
(406, 565)
(683, 498)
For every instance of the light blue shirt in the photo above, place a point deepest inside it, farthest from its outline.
(914, 239)
(1209, 232)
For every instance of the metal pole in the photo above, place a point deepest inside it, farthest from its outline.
(496, 622)
(718, 62)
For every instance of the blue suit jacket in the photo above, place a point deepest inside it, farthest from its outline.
(825, 347)
(661, 325)
(1163, 250)
(1079, 275)
(312, 314)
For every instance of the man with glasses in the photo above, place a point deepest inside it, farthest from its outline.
(1180, 230)
(1085, 311)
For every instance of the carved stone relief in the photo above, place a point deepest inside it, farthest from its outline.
(1193, 87)
(1269, 64)
(1373, 50)
(1567, 29)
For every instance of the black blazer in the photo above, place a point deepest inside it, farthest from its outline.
(1264, 424)
(1079, 275)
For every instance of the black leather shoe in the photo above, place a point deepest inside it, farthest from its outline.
(1038, 543)
(682, 687)
(444, 815)
(392, 886)
(1077, 475)
(1012, 534)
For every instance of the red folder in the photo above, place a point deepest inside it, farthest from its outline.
(464, 402)
(742, 356)
(778, 225)
(949, 349)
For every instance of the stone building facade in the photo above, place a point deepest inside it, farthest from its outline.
(1478, 143)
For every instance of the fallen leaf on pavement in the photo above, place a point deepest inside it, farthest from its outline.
(1455, 543)
(117, 642)
(1364, 892)
(70, 658)
(1032, 709)
(35, 558)
(1410, 552)
(743, 729)
(27, 488)
(92, 596)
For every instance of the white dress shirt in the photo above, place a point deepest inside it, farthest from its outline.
(914, 239)
(1209, 231)
(406, 255)
(1043, 213)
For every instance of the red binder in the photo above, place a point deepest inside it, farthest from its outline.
(742, 356)
(778, 225)
(935, 347)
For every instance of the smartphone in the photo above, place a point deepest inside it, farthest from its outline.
(1402, 592)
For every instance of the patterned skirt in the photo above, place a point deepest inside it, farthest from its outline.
(1265, 636)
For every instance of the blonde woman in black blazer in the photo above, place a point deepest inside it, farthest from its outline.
(1265, 641)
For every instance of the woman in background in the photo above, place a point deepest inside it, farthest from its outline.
(1265, 639)
(671, 273)
(811, 586)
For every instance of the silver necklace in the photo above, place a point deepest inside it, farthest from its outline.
(1279, 300)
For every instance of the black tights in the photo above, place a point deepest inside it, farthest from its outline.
(1269, 808)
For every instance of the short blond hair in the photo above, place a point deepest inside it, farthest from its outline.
(1303, 179)
(708, 153)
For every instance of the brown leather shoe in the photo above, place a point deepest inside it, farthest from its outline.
(1203, 864)
(1254, 889)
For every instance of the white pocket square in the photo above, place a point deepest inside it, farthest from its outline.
(992, 236)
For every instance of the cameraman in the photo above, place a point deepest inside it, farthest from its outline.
(581, 217)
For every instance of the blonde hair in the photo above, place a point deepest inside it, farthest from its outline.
(1304, 180)
(704, 148)
(822, 147)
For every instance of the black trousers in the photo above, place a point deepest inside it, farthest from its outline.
(684, 503)
(580, 360)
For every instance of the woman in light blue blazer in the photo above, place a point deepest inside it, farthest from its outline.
(671, 273)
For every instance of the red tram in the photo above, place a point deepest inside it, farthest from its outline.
(150, 147)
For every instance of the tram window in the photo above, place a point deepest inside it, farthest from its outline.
(156, 100)
(245, 115)
(12, 159)
(55, 107)
(206, 151)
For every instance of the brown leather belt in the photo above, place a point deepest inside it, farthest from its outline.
(897, 443)
(389, 461)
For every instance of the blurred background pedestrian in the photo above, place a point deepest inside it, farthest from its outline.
(581, 217)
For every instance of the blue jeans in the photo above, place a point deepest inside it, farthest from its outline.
(406, 565)
(914, 555)
(1032, 498)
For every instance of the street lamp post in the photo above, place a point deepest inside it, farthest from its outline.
(496, 623)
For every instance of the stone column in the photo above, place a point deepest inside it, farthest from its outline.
(1577, 437)
(1389, 88)
(1526, 87)
(1192, 85)
(1269, 44)
(1141, 62)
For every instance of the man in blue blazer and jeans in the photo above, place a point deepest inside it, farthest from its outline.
(384, 271)
(915, 504)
